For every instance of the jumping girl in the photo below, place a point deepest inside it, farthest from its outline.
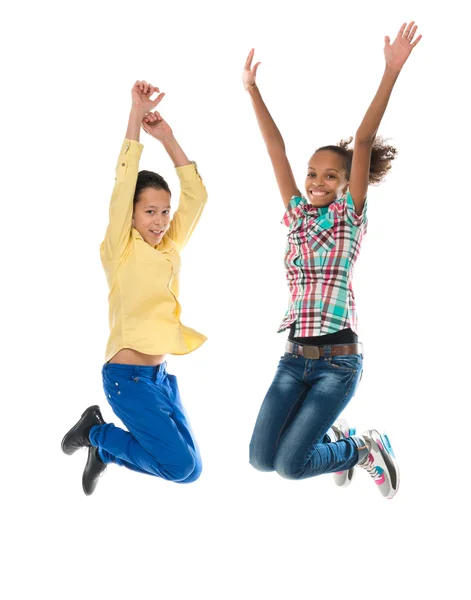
(141, 258)
(317, 377)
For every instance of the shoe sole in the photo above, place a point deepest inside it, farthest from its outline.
(390, 451)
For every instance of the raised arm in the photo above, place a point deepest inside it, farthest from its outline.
(193, 194)
(271, 134)
(158, 128)
(396, 55)
(127, 168)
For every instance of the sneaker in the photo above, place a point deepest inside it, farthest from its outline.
(341, 431)
(380, 462)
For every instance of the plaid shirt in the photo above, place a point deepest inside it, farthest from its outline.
(323, 245)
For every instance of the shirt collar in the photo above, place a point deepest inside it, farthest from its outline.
(314, 211)
(161, 246)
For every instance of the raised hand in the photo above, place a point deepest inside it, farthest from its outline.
(250, 73)
(398, 52)
(141, 93)
(154, 125)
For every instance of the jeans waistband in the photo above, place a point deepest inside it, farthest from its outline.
(136, 370)
(316, 352)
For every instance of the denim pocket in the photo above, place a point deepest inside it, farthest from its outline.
(346, 362)
(118, 382)
(288, 356)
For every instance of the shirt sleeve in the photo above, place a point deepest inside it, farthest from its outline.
(118, 233)
(351, 215)
(292, 210)
(193, 197)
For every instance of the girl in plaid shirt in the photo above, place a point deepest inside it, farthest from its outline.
(296, 433)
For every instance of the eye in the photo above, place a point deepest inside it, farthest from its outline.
(311, 175)
(166, 212)
(150, 212)
(333, 176)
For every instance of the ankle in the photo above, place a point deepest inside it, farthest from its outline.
(363, 446)
(86, 433)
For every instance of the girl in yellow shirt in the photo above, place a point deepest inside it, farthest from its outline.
(141, 258)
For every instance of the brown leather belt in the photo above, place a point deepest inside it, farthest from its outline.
(315, 352)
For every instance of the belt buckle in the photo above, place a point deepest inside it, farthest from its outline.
(311, 352)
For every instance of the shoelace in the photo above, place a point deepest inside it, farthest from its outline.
(370, 467)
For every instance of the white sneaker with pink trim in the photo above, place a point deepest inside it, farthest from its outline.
(380, 462)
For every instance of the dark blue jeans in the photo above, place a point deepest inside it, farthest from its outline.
(304, 400)
(159, 441)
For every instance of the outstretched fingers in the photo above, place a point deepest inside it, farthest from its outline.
(256, 67)
(408, 31)
(248, 62)
(414, 44)
(412, 33)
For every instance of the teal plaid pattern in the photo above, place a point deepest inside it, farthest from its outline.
(323, 246)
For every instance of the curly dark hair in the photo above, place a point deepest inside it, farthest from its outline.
(382, 155)
(149, 179)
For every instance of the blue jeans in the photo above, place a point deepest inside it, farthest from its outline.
(159, 440)
(304, 400)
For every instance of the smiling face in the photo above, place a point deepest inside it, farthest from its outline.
(151, 215)
(326, 179)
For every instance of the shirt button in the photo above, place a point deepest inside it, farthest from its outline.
(123, 164)
(171, 250)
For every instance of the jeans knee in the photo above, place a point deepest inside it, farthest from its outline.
(183, 470)
(259, 462)
(286, 469)
(188, 469)
(194, 475)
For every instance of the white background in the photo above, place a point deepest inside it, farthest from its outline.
(235, 533)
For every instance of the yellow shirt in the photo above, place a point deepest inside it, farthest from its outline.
(144, 313)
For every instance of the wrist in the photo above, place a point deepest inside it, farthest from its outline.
(250, 88)
(137, 111)
(392, 71)
(168, 141)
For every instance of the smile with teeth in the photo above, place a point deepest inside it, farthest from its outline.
(155, 232)
(318, 193)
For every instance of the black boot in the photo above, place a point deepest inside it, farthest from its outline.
(93, 469)
(77, 437)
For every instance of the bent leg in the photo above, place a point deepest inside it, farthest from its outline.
(154, 443)
(303, 451)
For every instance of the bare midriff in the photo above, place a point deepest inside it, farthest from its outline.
(127, 356)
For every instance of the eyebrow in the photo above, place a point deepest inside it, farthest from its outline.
(330, 169)
(158, 207)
